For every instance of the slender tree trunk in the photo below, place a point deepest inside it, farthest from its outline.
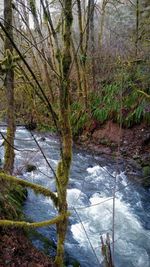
(9, 84)
(83, 54)
(63, 168)
(137, 28)
(79, 82)
(92, 42)
(101, 33)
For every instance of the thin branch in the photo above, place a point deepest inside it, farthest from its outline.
(34, 77)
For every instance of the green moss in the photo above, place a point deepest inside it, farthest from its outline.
(33, 7)
(37, 188)
(146, 171)
(23, 224)
(9, 151)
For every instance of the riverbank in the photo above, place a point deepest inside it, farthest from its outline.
(129, 145)
(15, 247)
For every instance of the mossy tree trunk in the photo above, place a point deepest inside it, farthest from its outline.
(137, 29)
(83, 53)
(9, 84)
(63, 167)
(92, 41)
(103, 13)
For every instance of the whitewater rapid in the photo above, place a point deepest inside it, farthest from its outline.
(90, 201)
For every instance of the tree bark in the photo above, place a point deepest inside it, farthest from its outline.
(63, 167)
(9, 84)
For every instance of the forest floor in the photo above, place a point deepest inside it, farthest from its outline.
(134, 144)
(17, 251)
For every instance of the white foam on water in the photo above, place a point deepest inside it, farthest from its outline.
(96, 174)
(76, 198)
(94, 170)
(129, 234)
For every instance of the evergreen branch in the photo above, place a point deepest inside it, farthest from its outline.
(37, 188)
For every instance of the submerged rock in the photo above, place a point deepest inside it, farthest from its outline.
(31, 126)
(30, 168)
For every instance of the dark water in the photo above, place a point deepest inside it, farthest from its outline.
(90, 202)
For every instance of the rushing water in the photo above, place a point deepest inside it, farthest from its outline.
(90, 201)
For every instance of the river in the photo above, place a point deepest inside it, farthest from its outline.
(90, 201)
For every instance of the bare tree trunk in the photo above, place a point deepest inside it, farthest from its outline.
(79, 82)
(9, 84)
(137, 28)
(92, 41)
(103, 12)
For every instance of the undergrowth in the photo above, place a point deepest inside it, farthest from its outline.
(11, 201)
(121, 100)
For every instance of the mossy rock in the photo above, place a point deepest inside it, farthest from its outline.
(30, 168)
(105, 141)
(146, 175)
(146, 171)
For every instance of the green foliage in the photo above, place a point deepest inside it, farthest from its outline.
(79, 118)
(106, 105)
(45, 127)
(9, 62)
(122, 101)
(11, 199)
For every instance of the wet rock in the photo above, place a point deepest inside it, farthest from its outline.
(31, 126)
(146, 139)
(43, 139)
(30, 168)
(123, 151)
(136, 156)
(105, 150)
(133, 165)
